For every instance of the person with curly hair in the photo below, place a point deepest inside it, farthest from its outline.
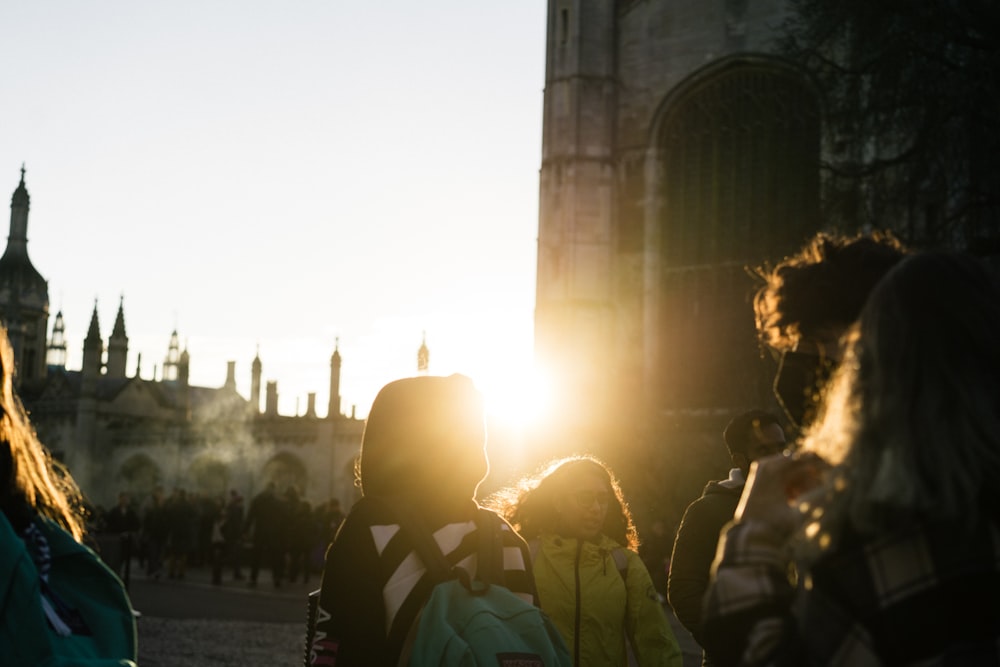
(890, 513)
(807, 302)
(60, 604)
(589, 577)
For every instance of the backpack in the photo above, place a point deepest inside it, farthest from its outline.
(468, 622)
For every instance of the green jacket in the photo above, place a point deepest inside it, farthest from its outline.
(594, 609)
(84, 583)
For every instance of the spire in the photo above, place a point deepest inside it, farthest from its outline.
(94, 331)
(93, 347)
(171, 363)
(333, 409)
(57, 345)
(15, 260)
(119, 328)
(184, 366)
(423, 357)
(21, 198)
(118, 344)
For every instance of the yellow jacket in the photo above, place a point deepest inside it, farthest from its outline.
(582, 591)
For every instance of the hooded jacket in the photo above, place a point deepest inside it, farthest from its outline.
(595, 609)
(694, 548)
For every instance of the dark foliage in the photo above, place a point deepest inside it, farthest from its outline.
(912, 96)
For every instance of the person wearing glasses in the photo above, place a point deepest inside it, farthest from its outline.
(589, 578)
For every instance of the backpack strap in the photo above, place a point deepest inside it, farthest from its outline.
(489, 558)
(423, 541)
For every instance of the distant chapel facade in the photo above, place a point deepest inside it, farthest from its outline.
(117, 431)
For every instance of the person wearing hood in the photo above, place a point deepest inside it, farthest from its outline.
(749, 436)
(423, 449)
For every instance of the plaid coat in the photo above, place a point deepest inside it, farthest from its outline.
(926, 595)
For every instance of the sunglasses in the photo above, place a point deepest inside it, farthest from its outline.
(588, 498)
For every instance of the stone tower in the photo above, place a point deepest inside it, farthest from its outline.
(24, 295)
(255, 373)
(677, 150)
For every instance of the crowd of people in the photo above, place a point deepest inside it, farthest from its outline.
(166, 534)
(859, 525)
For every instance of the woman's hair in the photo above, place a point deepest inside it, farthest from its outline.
(912, 420)
(32, 480)
(425, 440)
(822, 287)
(530, 505)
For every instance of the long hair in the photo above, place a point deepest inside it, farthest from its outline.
(33, 479)
(530, 504)
(912, 421)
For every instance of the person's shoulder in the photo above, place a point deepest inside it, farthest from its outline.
(715, 507)
(719, 493)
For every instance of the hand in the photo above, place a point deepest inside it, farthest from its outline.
(774, 486)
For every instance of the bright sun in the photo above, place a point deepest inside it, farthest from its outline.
(518, 400)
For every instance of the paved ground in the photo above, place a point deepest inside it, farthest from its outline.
(192, 623)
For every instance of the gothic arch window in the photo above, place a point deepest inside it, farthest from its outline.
(739, 146)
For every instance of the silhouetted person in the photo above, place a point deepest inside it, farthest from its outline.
(122, 523)
(182, 519)
(806, 304)
(156, 532)
(217, 542)
(423, 448)
(891, 510)
(749, 436)
(302, 535)
(232, 533)
(265, 522)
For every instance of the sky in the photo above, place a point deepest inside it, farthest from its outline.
(284, 177)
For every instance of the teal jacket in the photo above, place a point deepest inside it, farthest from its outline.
(595, 608)
(84, 583)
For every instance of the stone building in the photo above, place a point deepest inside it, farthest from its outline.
(678, 149)
(119, 431)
